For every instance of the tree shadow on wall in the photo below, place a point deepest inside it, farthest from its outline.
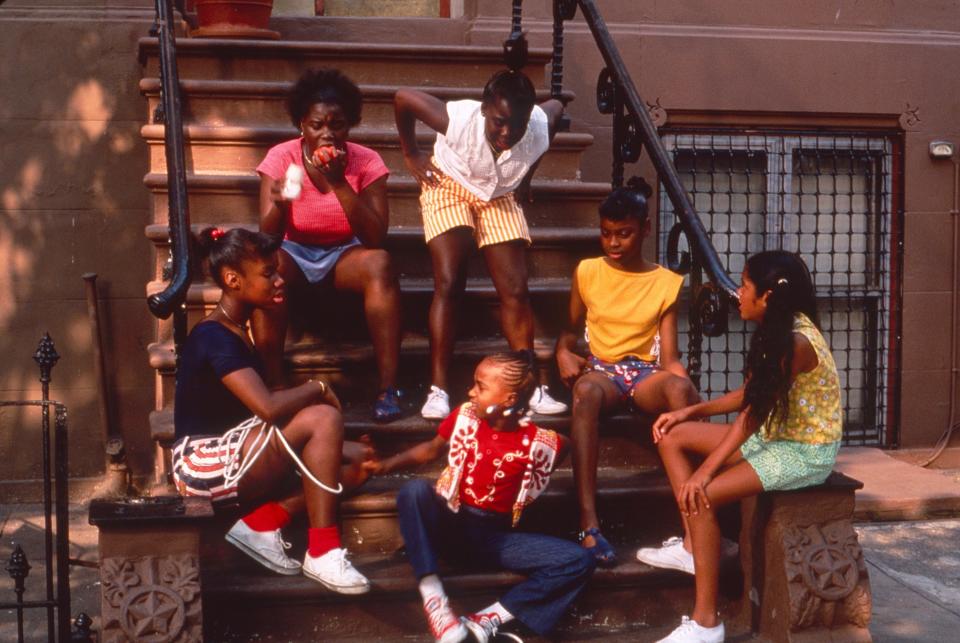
(72, 201)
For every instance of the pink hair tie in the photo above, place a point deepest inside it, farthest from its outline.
(217, 233)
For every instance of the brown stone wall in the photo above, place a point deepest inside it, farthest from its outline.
(797, 61)
(72, 201)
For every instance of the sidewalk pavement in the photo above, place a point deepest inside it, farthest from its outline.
(914, 566)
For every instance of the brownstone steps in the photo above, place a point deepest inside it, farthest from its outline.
(210, 196)
(553, 254)
(239, 149)
(632, 601)
(214, 102)
(422, 65)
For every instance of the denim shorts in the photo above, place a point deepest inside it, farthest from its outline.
(316, 262)
(625, 374)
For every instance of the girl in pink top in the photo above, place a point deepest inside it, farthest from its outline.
(335, 229)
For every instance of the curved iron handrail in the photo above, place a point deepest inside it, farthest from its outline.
(696, 234)
(163, 303)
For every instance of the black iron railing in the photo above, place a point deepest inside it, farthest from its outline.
(634, 130)
(56, 530)
(171, 299)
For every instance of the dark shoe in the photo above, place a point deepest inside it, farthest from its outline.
(602, 550)
(387, 407)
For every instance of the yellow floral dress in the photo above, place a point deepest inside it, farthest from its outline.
(801, 451)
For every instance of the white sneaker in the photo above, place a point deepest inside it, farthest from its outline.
(672, 555)
(542, 403)
(692, 632)
(334, 571)
(266, 547)
(437, 406)
(444, 624)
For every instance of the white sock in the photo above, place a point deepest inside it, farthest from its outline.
(431, 586)
(494, 616)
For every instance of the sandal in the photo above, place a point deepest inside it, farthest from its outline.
(603, 551)
(387, 407)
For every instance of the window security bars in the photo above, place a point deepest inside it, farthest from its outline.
(829, 197)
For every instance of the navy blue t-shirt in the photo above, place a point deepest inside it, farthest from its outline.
(203, 405)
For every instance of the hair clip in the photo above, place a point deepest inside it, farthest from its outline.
(216, 234)
(782, 281)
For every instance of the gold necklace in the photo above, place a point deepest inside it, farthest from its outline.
(243, 327)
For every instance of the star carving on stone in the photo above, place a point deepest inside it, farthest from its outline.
(830, 572)
(152, 614)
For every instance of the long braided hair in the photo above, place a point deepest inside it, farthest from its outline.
(518, 373)
(770, 360)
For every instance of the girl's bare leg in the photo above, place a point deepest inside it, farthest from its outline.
(737, 482)
(664, 391)
(316, 434)
(593, 394)
(448, 252)
(507, 265)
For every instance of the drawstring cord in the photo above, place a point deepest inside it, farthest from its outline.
(240, 433)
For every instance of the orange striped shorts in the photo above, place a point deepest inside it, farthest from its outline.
(450, 205)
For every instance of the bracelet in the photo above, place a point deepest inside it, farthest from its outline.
(323, 386)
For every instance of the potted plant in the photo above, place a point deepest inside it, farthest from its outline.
(233, 19)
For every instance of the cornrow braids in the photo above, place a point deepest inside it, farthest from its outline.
(518, 373)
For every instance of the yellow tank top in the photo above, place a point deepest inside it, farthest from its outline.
(814, 414)
(624, 308)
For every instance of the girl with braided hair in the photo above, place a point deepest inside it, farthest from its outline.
(498, 463)
(786, 435)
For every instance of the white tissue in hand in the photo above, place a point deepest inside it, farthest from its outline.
(293, 181)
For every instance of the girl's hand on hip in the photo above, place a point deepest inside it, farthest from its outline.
(422, 169)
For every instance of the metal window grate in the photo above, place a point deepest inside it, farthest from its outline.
(828, 196)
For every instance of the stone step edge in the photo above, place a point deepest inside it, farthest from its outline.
(391, 576)
(148, 47)
(550, 188)
(150, 86)
(154, 134)
(477, 287)
(357, 422)
(309, 354)
(159, 233)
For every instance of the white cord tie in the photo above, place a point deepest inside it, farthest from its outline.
(242, 430)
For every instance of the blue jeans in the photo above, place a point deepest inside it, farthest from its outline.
(557, 570)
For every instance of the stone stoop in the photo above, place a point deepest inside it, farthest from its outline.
(233, 111)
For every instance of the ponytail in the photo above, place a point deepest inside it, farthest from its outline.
(218, 249)
(629, 201)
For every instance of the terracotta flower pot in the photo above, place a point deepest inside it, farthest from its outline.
(234, 19)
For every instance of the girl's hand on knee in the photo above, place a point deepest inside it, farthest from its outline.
(692, 497)
(570, 366)
(666, 421)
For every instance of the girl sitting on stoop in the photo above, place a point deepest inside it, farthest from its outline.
(786, 435)
(238, 441)
(498, 463)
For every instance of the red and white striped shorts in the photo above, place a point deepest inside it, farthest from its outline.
(450, 205)
(201, 465)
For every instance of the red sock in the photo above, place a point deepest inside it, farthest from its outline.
(267, 517)
(320, 540)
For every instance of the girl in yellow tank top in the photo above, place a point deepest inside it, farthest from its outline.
(786, 434)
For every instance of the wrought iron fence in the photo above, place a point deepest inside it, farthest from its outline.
(832, 198)
(56, 592)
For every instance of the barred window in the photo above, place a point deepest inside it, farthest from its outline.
(829, 197)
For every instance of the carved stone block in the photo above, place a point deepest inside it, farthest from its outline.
(805, 578)
(150, 570)
(151, 599)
